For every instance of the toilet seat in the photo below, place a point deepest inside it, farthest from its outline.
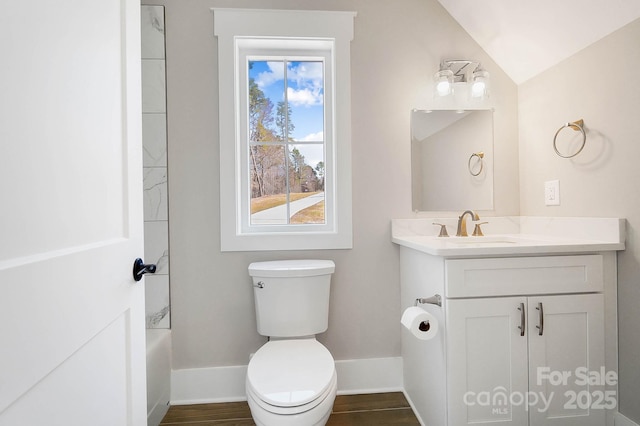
(322, 405)
(291, 376)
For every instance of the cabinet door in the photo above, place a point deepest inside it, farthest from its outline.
(486, 361)
(566, 349)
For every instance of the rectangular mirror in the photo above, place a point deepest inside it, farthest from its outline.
(452, 160)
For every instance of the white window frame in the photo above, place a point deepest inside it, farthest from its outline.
(305, 35)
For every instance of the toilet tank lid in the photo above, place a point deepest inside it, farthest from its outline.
(292, 268)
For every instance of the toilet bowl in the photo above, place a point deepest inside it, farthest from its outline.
(291, 382)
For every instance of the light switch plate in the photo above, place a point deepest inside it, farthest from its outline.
(552, 193)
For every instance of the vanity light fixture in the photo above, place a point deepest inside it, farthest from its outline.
(461, 76)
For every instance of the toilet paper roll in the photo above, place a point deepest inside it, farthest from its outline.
(420, 323)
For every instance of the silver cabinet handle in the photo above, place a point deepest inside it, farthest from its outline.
(541, 319)
(522, 319)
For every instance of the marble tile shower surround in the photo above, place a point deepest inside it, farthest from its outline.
(152, 21)
(154, 140)
(155, 194)
(153, 86)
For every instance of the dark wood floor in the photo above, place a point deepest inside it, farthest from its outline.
(379, 409)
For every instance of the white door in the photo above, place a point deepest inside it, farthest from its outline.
(487, 370)
(72, 318)
(566, 354)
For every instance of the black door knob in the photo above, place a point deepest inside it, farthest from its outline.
(139, 269)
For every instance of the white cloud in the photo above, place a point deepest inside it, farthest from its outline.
(275, 73)
(313, 137)
(306, 74)
(304, 97)
(306, 79)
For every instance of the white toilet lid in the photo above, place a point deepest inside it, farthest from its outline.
(287, 373)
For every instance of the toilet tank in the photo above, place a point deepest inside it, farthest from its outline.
(292, 296)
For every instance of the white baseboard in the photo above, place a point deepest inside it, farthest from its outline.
(226, 384)
(203, 385)
(621, 420)
(371, 375)
(157, 413)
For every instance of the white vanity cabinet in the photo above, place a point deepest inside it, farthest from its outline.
(528, 340)
(502, 375)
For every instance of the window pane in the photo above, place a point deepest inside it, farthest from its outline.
(268, 185)
(305, 95)
(306, 184)
(266, 90)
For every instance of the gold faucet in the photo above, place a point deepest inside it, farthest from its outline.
(462, 223)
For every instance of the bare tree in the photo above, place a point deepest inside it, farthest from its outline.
(263, 157)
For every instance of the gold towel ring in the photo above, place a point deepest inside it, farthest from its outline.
(576, 126)
(480, 156)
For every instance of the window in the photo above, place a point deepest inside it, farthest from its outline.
(285, 148)
(286, 141)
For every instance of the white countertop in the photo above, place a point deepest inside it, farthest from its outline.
(512, 236)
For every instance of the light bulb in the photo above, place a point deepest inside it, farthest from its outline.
(443, 88)
(479, 87)
(444, 81)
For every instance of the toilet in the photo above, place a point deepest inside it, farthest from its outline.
(291, 379)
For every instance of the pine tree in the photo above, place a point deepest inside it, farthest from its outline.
(284, 124)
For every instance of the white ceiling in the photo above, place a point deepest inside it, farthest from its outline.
(527, 37)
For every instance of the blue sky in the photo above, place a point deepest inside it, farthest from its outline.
(305, 93)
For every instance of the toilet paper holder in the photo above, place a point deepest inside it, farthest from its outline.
(436, 299)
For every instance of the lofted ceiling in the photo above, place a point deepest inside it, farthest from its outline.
(527, 37)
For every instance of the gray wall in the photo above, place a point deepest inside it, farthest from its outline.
(599, 84)
(397, 48)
